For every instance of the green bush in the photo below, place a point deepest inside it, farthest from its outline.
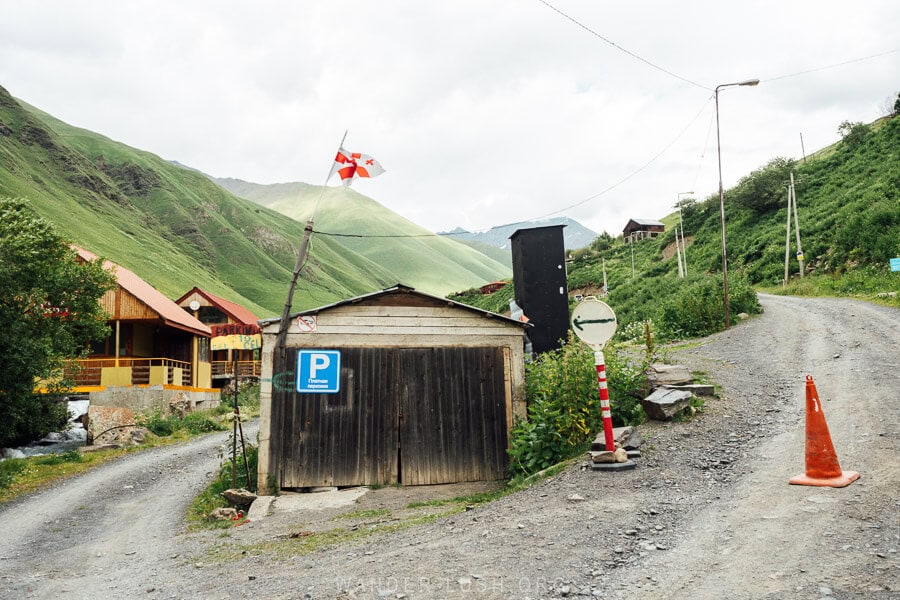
(164, 426)
(157, 423)
(9, 468)
(198, 422)
(73, 456)
(212, 498)
(697, 308)
(564, 404)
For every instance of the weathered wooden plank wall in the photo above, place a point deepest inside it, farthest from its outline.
(414, 415)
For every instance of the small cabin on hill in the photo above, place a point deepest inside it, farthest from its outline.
(236, 339)
(396, 386)
(153, 348)
(639, 229)
(490, 288)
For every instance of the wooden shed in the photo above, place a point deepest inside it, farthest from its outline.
(639, 229)
(424, 391)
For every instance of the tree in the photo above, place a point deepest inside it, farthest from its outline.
(763, 189)
(854, 134)
(50, 310)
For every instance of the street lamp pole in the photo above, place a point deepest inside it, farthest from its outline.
(681, 222)
(749, 82)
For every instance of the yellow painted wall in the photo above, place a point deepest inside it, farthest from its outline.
(204, 375)
(159, 375)
(115, 377)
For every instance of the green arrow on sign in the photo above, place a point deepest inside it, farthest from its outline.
(577, 323)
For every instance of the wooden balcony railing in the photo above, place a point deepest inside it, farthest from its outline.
(222, 369)
(89, 371)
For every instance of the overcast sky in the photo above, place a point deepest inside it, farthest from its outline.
(482, 112)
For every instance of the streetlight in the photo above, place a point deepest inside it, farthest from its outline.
(681, 221)
(749, 82)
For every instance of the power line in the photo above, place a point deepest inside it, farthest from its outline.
(633, 173)
(840, 64)
(358, 235)
(620, 48)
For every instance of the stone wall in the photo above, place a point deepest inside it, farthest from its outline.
(145, 399)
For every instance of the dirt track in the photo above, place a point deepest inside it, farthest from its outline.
(707, 514)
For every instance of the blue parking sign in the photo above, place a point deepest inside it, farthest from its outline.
(318, 371)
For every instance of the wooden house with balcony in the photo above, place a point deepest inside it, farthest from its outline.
(153, 348)
(640, 229)
(236, 338)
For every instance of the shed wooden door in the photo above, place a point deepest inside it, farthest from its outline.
(343, 439)
(452, 415)
(409, 415)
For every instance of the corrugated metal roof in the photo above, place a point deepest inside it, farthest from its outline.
(393, 289)
(647, 222)
(167, 310)
(234, 310)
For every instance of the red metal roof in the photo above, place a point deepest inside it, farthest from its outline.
(232, 309)
(172, 314)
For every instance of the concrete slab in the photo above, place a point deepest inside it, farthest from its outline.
(260, 508)
(331, 498)
(622, 466)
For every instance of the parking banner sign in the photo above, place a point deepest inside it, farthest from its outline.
(318, 371)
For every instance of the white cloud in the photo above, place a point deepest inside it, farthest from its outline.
(482, 113)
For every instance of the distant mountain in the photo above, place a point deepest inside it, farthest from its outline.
(176, 229)
(430, 261)
(575, 235)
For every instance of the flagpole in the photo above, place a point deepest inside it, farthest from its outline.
(301, 259)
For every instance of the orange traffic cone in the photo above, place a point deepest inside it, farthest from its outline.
(822, 468)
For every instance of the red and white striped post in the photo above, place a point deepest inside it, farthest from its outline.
(604, 400)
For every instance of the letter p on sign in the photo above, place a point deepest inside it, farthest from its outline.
(318, 371)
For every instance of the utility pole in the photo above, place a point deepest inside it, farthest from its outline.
(678, 254)
(787, 242)
(632, 257)
(802, 149)
(605, 287)
(792, 201)
(797, 226)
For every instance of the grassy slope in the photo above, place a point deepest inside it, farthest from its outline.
(171, 225)
(849, 210)
(435, 262)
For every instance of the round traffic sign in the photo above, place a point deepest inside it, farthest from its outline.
(594, 322)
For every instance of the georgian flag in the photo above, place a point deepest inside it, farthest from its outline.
(352, 165)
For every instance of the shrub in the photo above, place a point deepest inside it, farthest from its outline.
(697, 308)
(72, 456)
(212, 498)
(157, 423)
(564, 404)
(9, 468)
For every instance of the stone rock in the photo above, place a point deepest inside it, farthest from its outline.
(223, 514)
(603, 456)
(628, 438)
(663, 404)
(699, 389)
(12, 453)
(576, 498)
(621, 455)
(138, 435)
(239, 497)
(623, 437)
(659, 374)
(179, 405)
(109, 424)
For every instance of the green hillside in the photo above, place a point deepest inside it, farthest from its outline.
(849, 211)
(176, 229)
(390, 240)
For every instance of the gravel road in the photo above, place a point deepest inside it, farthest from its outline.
(707, 514)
